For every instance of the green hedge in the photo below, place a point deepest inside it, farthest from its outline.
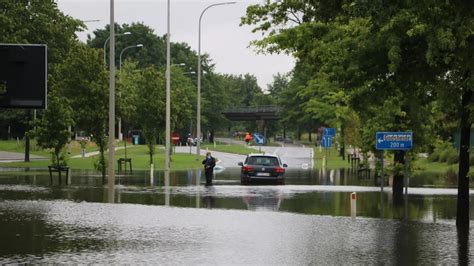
(444, 152)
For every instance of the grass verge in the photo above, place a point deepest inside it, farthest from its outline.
(19, 146)
(334, 161)
(139, 155)
(230, 148)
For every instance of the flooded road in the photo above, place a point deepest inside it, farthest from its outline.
(306, 221)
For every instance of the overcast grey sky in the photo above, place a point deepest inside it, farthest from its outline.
(222, 37)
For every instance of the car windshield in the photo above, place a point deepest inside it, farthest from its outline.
(263, 160)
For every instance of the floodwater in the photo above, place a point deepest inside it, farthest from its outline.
(306, 221)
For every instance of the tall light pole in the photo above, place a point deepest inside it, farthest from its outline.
(168, 100)
(121, 53)
(107, 40)
(111, 174)
(120, 72)
(198, 115)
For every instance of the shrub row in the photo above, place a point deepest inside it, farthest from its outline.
(445, 152)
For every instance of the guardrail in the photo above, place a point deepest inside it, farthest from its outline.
(255, 109)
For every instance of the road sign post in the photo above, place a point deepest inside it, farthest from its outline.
(327, 141)
(329, 131)
(393, 141)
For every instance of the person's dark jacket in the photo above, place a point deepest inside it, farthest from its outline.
(209, 164)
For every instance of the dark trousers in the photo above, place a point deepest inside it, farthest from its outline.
(208, 177)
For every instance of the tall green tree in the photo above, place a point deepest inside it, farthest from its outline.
(39, 22)
(36, 22)
(150, 106)
(150, 103)
(83, 80)
(52, 129)
(389, 54)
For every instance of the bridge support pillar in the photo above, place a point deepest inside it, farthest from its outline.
(261, 126)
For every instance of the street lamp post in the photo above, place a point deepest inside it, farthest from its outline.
(111, 169)
(121, 53)
(120, 74)
(198, 115)
(107, 40)
(168, 99)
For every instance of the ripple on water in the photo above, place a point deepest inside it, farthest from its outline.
(124, 233)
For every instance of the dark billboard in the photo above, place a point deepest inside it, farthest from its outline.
(23, 76)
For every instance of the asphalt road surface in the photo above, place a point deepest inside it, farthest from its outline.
(294, 157)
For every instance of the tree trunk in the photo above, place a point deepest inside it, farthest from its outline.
(397, 187)
(343, 142)
(27, 147)
(212, 135)
(102, 161)
(462, 218)
(150, 151)
(56, 157)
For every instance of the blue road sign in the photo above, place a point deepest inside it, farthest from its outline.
(326, 142)
(393, 140)
(259, 139)
(329, 131)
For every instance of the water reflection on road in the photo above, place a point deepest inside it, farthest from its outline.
(68, 232)
(306, 192)
(306, 221)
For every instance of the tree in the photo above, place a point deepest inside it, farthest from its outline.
(51, 130)
(279, 85)
(83, 80)
(150, 106)
(42, 22)
(151, 103)
(152, 52)
(36, 22)
(394, 54)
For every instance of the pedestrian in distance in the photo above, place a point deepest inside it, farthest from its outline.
(209, 164)
(248, 138)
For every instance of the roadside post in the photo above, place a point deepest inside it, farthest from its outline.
(329, 131)
(151, 174)
(328, 134)
(327, 144)
(353, 204)
(259, 140)
(394, 141)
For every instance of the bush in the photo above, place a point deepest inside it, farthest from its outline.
(434, 157)
(443, 156)
(453, 157)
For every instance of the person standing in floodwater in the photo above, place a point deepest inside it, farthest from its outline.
(209, 164)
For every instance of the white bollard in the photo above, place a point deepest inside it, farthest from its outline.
(353, 204)
(324, 162)
(151, 174)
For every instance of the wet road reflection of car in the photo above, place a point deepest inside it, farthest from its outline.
(262, 168)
